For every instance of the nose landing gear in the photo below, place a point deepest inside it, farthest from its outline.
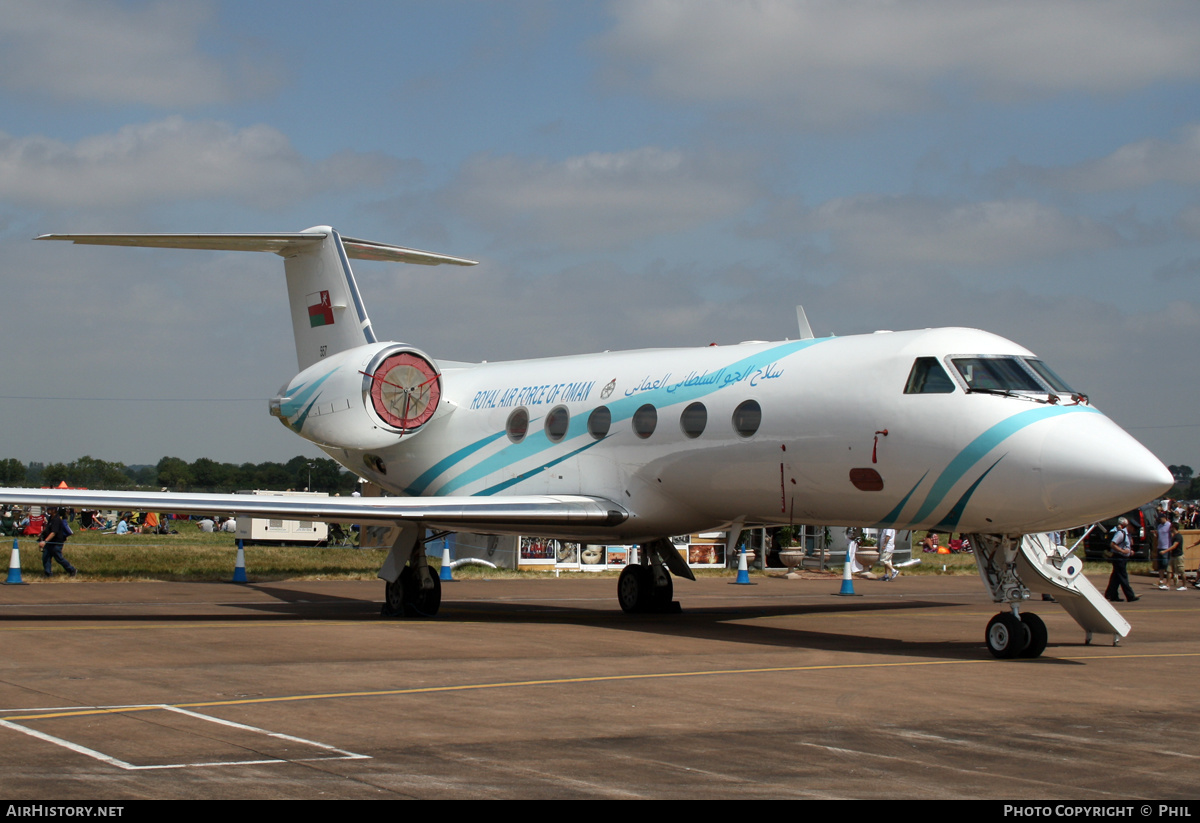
(1012, 566)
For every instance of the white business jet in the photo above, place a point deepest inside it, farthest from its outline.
(953, 429)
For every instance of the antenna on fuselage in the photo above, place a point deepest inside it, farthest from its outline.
(806, 332)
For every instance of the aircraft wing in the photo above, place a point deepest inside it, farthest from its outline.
(463, 512)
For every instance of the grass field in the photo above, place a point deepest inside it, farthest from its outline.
(198, 556)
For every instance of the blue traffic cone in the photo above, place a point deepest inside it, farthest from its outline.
(743, 576)
(848, 578)
(445, 574)
(239, 570)
(14, 567)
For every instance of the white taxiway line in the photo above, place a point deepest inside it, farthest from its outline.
(334, 752)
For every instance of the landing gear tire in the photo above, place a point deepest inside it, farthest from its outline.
(404, 596)
(635, 589)
(419, 602)
(661, 596)
(638, 592)
(1038, 636)
(393, 599)
(1007, 636)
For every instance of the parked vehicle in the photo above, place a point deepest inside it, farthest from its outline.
(1141, 529)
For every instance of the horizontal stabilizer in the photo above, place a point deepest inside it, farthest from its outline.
(370, 250)
(284, 244)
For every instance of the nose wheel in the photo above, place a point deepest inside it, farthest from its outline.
(1038, 636)
(1010, 636)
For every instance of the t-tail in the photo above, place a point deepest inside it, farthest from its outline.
(328, 313)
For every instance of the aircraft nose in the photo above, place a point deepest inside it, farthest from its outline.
(1093, 469)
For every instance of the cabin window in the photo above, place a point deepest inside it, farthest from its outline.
(645, 420)
(747, 417)
(517, 425)
(928, 377)
(995, 374)
(556, 423)
(599, 422)
(693, 420)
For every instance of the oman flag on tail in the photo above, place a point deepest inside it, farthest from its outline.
(320, 312)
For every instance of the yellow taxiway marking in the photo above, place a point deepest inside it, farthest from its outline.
(281, 622)
(51, 714)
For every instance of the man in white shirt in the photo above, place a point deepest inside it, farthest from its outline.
(887, 548)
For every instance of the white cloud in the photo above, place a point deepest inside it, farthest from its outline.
(1135, 165)
(114, 53)
(826, 62)
(904, 231)
(600, 199)
(176, 159)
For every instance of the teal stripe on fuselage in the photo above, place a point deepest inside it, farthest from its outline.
(950, 521)
(499, 487)
(890, 518)
(419, 485)
(980, 447)
(622, 409)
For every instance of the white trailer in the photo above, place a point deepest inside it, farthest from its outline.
(253, 530)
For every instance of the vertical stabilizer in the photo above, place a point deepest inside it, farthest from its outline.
(328, 315)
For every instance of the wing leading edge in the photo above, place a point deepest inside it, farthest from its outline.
(561, 511)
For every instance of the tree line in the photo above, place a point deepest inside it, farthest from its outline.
(1187, 486)
(176, 474)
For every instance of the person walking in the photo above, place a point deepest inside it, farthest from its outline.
(51, 540)
(1122, 549)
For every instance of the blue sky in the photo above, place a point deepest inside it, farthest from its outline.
(649, 173)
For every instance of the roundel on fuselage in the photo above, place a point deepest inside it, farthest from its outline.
(405, 390)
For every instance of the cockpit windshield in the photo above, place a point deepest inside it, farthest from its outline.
(1007, 375)
(995, 374)
(1047, 374)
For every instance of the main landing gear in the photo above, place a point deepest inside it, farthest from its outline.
(415, 593)
(648, 588)
(412, 588)
(642, 589)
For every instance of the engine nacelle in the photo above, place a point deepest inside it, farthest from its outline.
(362, 398)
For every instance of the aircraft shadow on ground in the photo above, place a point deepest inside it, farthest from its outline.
(717, 623)
(727, 624)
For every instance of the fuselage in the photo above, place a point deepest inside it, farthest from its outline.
(850, 430)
